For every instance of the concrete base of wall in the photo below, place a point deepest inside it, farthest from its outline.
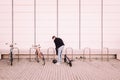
(118, 56)
(74, 56)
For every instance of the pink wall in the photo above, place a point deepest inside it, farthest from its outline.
(68, 23)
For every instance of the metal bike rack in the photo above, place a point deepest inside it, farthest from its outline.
(81, 55)
(107, 50)
(18, 51)
(14, 48)
(89, 50)
(71, 49)
(48, 52)
(30, 50)
(101, 54)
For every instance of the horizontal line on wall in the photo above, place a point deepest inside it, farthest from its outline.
(62, 11)
(65, 4)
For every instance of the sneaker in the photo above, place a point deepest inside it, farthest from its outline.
(57, 63)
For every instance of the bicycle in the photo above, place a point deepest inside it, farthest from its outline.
(39, 56)
(11, 53)
(67, 60)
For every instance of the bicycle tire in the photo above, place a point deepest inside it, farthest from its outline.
(43, 61)
(11, 58)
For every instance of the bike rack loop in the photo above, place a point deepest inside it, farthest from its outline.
(14, 48)
(32, 48)
(18, 51)
(48, 51)
(89, 53)
(81, 55)
(69, 48)
(107, 50)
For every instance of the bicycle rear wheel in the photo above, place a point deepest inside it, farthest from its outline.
(42, 59)
(11, 58)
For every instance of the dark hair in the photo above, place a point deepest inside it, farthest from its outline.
(53, 37)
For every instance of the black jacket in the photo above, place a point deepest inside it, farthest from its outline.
(58, 42)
